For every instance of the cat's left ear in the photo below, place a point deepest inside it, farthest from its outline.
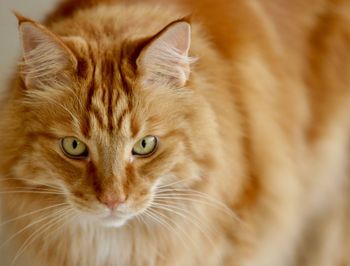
(46, 58)
(165, 59)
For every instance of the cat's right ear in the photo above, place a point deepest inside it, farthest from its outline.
(46, 58)
(165, 59)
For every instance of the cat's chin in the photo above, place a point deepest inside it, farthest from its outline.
(112, 222)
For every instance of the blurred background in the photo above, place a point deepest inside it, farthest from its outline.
(9, 41)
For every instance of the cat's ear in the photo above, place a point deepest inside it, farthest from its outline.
(45, 56)
(165, 59)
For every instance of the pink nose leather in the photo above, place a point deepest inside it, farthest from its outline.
(112, 202)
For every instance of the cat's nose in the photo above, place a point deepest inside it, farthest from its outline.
(112, 201)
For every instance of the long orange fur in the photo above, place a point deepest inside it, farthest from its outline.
(252, 168)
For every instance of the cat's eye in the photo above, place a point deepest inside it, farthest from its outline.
(74, 148)
(145, 146)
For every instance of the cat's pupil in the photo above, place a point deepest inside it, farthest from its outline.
(143, 143)
(75, 144)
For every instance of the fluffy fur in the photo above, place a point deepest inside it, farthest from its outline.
(251, 107)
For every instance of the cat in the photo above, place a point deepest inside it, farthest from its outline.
(179, 133)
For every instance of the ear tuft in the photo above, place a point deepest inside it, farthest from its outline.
(166, 59)
(45, 55)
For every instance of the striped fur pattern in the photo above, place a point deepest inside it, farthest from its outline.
(249, 102)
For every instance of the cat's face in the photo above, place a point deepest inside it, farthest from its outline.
(109, 160)
(108, 135)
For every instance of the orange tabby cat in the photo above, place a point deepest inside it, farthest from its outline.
(179, 133)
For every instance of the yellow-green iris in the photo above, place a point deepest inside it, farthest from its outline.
(145, 146)
(74, 148)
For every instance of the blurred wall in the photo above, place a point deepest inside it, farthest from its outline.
(9, 42)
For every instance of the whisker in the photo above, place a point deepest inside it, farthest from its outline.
(188, 190)
(31, 181)
(185, 211)
(30, 192)
(195, 221)
(41, 230)
(188, 198)
(156, 219)
(170, 227)
(32, 189)
(144, 222)
(172, 184)
(172, 224)
(58, 104)
(76, 97)
(210, 201)
(30, 225)
(30, 213)
(73, 215)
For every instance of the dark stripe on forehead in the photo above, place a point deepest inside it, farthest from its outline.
(108, 70)
(86, 126)
(109, 90)
(134, 126)
(123, 66)
(122, 117)
(104, 96)
(99, 117)
(127, 75)
(82, 68)
(112, 98)
(90, 94)
(92, 85)
(110, 117)
(124, 84)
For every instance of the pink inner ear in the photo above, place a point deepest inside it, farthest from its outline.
(37, 42)
(30, 37)
(180, 36)
(176, 38)
(45, 55)
(165, 60)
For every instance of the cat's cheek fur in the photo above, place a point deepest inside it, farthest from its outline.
(41, 171)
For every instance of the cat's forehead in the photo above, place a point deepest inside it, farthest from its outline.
(100, 62)
(115, 101)
(108, 109)
(106, 89)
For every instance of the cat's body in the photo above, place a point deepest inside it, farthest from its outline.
(266, 132)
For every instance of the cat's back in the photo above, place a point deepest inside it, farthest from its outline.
(228, 24)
